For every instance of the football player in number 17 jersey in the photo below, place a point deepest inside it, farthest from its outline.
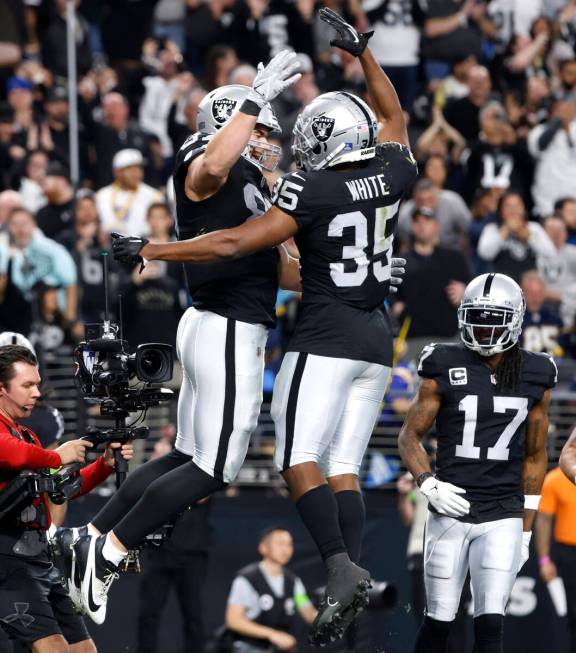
(489, 399)
(341, 206)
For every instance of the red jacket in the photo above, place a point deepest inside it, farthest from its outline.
(16, 454)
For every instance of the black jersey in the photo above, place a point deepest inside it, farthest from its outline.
(243, 289)
(481, 431)
(346, 223)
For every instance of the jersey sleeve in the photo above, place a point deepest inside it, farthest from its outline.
(429, 362)
(549, 500)
(192, 147)
(294, 195)
(540, 370)
(400, 166)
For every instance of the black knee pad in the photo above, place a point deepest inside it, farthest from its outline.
(489, 633)
(432, 636)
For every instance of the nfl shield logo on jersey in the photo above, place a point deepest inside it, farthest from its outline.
(222, 109)
(458, 376)
(322, 128)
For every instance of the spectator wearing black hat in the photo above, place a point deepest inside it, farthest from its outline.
(449, 209)
(52, 134)
(56, 216)
(433, 285)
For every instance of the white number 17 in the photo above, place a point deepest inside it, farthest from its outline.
(500, 451)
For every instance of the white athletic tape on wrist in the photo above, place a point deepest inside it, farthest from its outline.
(531, 501)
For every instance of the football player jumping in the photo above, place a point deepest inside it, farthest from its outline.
(342, 208)
(218, 183)
(489, 399)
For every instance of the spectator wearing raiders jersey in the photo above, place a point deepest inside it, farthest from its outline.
(542, 329)
(220, 342)
(489, 399)
(266, 597)
(343, 220)
(497, 160)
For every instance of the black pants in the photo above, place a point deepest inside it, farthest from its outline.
(567, 570)
(186, 574)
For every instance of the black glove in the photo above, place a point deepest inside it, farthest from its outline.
(126, 249)
(350, 40)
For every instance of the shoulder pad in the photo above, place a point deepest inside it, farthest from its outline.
(540, 369)
(194, 145)
(391, 148)
(290, 192)
(436, 359)
(398, 164)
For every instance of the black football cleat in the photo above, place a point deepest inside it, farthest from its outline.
(97, 575)
(345, 597)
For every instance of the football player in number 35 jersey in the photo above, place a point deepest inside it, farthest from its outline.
(341, 206)
(489, 399)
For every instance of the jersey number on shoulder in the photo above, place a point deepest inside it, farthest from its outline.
(500, 451)
(357, 252)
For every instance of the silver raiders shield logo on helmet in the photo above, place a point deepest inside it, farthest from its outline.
(222, 109)
(322, 128)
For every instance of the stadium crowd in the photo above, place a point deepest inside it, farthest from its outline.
(489, 88)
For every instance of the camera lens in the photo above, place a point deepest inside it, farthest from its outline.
(154, 363)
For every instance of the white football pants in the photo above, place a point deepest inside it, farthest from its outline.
(324, 411)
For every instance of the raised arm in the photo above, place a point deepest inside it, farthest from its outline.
(268, 230)
(568, 457)
(384, 99)
(209, 171)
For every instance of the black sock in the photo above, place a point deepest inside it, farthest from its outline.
(489, 634)
(351, 516)
(319, 512)
(163, 500)
(134, 487)
(432, 636)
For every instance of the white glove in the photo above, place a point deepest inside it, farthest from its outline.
(396, 273)
(445, 497)
(525, 554)
(272, 79)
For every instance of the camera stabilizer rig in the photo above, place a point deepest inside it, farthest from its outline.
(105, 373)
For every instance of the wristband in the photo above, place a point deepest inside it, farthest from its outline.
(250, 108)
(423, 477)
(531, 501)
(544, 560)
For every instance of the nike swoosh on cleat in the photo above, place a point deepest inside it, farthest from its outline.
(332, 605)
(93, 607)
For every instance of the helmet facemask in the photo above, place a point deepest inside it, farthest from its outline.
(264, 155)
(489, 329)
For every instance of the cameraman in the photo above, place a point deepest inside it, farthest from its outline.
(32, 609)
